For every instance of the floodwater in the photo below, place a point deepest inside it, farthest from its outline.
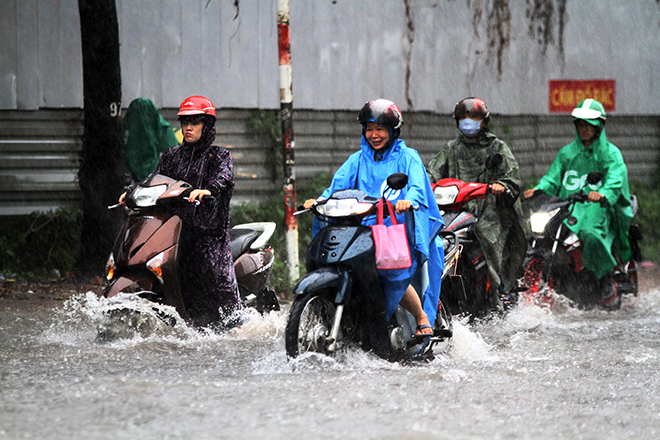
(534, 374)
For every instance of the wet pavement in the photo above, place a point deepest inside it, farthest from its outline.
(534, 374)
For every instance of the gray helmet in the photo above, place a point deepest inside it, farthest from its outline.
(382, 112)
(471, 107)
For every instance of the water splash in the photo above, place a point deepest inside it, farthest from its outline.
(270, 324)
(468, 345)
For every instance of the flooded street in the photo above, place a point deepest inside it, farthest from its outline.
(534, 374)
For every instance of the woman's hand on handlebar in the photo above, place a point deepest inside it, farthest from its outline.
(595, 197)
(529, 193)
(402, 206)
(308, 203)
(197, 194)
(496, 188)
(121, 198)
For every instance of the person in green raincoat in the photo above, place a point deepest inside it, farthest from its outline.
(146, 136)
(601, 227)
(501, 225)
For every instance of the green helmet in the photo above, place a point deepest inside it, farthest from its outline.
(591, 111)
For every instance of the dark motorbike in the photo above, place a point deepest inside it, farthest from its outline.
(143, 261)
(340, 302)
(554, 259)
(467, 288)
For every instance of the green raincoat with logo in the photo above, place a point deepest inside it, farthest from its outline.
(603, 230)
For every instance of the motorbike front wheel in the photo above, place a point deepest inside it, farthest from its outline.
(309, 325)
(538, 291)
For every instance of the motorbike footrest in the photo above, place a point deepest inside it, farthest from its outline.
(442, 333)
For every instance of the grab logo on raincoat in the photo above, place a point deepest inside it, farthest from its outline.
(573, 182)
(389, 193)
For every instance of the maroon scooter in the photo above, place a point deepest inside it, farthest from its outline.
(143, 261)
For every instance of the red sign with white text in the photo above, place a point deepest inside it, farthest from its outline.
(564, 95)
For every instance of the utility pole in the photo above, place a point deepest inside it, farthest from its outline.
(286, 110)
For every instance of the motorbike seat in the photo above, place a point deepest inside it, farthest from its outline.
(240, 241)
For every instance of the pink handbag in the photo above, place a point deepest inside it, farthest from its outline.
(391, 243)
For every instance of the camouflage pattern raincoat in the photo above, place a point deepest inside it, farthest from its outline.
(501, 226)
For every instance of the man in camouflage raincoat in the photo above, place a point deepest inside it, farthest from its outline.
(500, 226)
(601, 227)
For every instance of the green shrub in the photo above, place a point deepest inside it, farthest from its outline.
(37, 245)
(648, 217)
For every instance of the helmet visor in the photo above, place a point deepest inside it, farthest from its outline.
(596, 122)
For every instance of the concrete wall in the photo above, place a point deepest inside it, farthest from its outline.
(425, 56)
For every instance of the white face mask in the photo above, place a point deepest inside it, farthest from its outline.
(469, 127)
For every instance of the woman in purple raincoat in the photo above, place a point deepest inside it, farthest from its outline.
(206, 270)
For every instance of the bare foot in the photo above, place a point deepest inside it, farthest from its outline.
(424, 327)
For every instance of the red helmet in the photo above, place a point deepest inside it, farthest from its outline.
(471, 107)
(196, 105)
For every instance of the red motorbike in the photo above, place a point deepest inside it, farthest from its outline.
(467, 287)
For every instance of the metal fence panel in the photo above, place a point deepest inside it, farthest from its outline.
(40, 150)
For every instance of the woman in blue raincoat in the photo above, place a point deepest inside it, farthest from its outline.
(381, 154)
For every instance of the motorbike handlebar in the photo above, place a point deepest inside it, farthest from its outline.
(197, 202)
(579, 196)
(506, 191)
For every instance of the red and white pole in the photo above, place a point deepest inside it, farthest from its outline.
(286, 110)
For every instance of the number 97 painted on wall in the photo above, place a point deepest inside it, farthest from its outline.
(115, 109)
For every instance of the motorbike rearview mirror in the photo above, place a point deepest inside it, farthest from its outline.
(594, 177)
(494, 161)
(397, 181)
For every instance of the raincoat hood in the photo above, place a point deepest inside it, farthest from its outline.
(599, 150)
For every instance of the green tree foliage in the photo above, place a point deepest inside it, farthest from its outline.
(38, 245)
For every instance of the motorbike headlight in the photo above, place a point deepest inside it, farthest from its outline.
(155, 265)
(445, 195)
(538, 220)
(343, 208)
(147, 195)
(110, 268)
